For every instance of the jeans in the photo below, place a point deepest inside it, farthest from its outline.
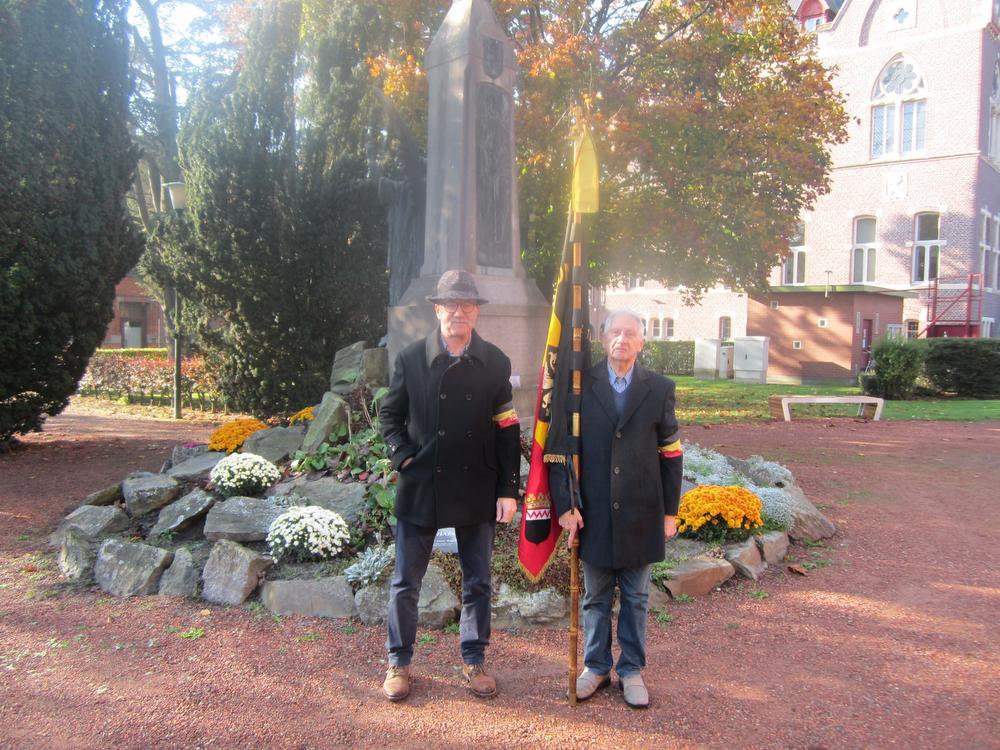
(413, 551)
(600, 586)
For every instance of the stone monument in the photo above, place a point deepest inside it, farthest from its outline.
(472, 211)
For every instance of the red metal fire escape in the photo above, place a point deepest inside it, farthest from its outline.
(954, 306)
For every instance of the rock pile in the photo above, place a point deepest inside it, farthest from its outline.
(168, 534)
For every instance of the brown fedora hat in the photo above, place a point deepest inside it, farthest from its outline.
(454, 285)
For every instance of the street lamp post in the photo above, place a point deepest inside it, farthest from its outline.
(178, 202)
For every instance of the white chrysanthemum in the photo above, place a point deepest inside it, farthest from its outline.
(777, 505)
(244, 474)
(307, 532)
(705, 466)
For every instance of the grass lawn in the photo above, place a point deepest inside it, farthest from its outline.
(723, 401)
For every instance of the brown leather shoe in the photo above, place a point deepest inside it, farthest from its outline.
(397, 683)
(480, 684)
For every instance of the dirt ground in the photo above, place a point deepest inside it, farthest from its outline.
(889, 641)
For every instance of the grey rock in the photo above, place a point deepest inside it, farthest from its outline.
(232, 572)
(525, 468)
(93, 522)
(146, 492)
(107, 496)
(276, 443)
(77, 556)
(436, 606)
(332, 411)
(130, 568)
(198, 467)
(773, 546)
(346, 368)
(808, 524)
(323, 597)
(522, 609)
(679, 548)
(745, 557)
(372, 603)
(347, 499)
(698, 576)
(657, 599)
(375, 367)
(181, 453)
(180, 512)
(181, 578)
(686, 486)
(242, 519)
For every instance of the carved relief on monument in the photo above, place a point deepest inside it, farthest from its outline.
(494, 122)
(492, 57)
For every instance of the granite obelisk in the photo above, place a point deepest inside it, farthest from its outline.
(472, 211)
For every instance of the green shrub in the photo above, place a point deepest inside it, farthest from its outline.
(898, 364)
(967, 367)
(669, 357)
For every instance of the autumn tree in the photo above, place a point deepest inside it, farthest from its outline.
(713, 120)
(66, 164)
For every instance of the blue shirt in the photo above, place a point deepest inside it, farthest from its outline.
(620, 384)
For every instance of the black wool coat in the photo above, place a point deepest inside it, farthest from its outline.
(445, 413)
(627, 486)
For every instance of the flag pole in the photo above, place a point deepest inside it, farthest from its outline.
(579, 282)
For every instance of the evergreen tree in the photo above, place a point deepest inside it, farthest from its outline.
(66, 163)
(290, 235)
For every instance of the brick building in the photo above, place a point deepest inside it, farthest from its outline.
(908, 239)
(138, 321)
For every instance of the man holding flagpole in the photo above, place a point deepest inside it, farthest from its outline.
(629, 486)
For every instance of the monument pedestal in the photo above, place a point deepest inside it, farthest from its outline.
(516, 319)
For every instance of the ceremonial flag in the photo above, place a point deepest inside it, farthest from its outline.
(551, 438)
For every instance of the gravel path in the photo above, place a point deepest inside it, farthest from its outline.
(890, 641)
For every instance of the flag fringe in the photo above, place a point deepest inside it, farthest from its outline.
(554, 459)
(530, 576)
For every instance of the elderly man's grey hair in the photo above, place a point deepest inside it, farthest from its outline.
(624, 312)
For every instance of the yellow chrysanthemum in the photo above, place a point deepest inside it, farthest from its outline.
(737, 507)
(231, 435)
(303, 415)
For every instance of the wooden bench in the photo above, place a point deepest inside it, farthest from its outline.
(869, 407)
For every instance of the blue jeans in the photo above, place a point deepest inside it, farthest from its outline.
(634, 586)
(413, 551)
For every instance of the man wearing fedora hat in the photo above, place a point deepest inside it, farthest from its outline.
(452, 433)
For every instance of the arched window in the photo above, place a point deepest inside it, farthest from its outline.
(863, 252)
(654, 328)
(725, 328)
(899, 110)
(926, 247)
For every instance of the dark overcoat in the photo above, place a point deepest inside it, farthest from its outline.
(631, 469)
(455, 418)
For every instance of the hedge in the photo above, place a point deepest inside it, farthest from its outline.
(966, 367)
(120, 374)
